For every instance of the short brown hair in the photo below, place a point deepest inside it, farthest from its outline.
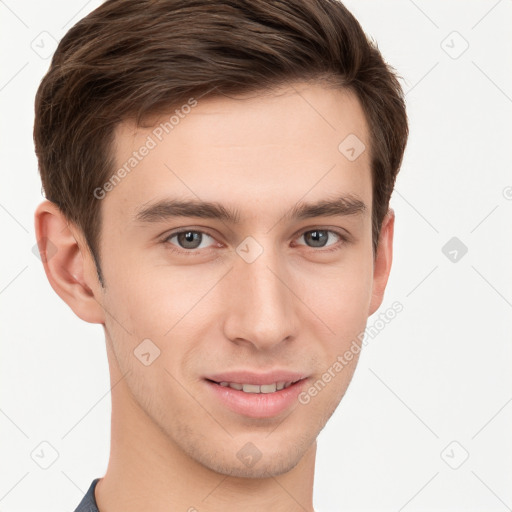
(129, 59)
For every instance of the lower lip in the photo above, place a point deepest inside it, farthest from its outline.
(257, 405)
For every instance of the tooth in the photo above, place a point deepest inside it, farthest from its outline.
(268, 388)
(251, 388)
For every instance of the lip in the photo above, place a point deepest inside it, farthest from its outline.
(257, 405)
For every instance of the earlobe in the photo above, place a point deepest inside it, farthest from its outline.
(67, 262)
(383, 260)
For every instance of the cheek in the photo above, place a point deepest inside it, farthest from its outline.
(168, 306)
(132, 304)
(340, 296)
(163, 288)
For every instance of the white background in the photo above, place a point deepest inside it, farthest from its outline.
(439, 372)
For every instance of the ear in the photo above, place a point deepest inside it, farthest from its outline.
(68, 263)
(382, 262)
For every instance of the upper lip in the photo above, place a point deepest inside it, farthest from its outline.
(259, 379)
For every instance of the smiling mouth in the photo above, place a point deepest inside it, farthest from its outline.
(255, 388)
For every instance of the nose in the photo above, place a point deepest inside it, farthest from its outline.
(261, 309)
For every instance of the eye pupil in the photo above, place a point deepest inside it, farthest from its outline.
(187, 237)
(319, 237)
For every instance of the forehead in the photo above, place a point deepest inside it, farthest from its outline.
(255, 152)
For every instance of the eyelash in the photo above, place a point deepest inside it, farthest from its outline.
(192, 252)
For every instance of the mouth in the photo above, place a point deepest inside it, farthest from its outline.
(249, 396)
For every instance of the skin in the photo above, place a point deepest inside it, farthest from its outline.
(297, 307)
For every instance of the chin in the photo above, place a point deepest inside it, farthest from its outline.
(276, 465)
(267, 459)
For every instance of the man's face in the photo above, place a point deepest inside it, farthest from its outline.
(271, 292)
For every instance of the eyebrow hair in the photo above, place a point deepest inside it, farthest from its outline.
(165, 209)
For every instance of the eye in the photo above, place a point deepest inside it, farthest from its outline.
(188, 239)
(318, 238)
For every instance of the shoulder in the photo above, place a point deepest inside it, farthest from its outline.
(88, 503)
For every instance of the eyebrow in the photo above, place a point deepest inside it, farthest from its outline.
(168, 208)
